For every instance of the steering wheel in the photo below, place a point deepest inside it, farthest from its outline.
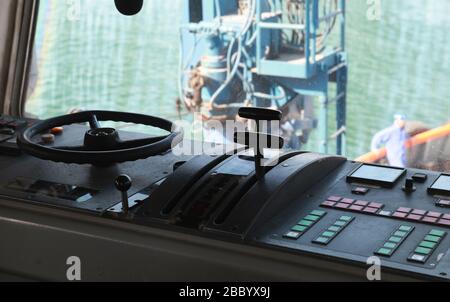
(102, 146)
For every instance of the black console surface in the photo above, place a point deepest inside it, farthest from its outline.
(306, 203)
(39, 181)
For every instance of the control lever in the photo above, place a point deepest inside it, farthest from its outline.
(123, 184)
(409, 185)
(253, 140)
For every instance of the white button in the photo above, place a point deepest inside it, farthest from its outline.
(418, 258)
(385, 213)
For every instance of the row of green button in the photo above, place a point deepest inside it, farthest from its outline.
(334, 230)
(395, 240)
(428, 245)
(305, 224)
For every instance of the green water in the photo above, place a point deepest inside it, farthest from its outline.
(399, 64)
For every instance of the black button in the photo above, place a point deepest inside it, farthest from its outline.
(409, 186)
(420, 177)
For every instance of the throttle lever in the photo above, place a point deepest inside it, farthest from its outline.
(254, 139)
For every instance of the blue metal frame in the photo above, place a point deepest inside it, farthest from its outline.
(309, 74)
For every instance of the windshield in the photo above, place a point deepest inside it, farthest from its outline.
(375, 88)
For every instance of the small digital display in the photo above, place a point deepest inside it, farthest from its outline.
(376, 175)
(50, 189)
(441, 185)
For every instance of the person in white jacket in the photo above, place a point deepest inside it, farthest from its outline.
(394, 139)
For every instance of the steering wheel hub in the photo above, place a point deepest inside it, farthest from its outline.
(101, 139)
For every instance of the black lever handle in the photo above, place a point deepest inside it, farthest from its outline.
(253, 140)
(123, 183)
(260, 114)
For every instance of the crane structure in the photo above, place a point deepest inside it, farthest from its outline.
(280, 54)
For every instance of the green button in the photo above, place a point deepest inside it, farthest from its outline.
(432, 238)
(395, 239)
(306, 223)
(334, 229)
(423, 251)
(346, 218)
(318, 213)
(340, 223)
(437, 233)
(322, 240)
(312, 218)
(384, 252)
(427, 244)
(400, 234)
(390, 245)
(328, 234)
(405, 228)
(299, 228)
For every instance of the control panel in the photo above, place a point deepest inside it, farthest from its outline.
(401, 216)
(299, 203)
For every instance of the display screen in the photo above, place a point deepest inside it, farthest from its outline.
(441, 185)
(54, 190)
(377, 175)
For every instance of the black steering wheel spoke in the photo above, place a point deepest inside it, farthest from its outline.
(94, 123)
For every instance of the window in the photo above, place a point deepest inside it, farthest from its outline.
(87, 56)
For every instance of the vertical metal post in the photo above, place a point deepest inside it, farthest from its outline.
(258, 35)
(343, 17)
(341, 110)
(315, 25)
(323, 124)
(341, 89)
(307, 35)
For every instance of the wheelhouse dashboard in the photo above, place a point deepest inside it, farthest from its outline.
(306, 204)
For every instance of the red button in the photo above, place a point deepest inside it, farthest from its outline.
(348, 200)
(356, 208)
(370, 210)
(404, 210)
(361, 203)
(429, 219)
(419, 212)
(434, 214)
(328, 204)
(414, 217)
(399, 215)
(342, 205)
(444, 222)
(376, 205)
(334, 198)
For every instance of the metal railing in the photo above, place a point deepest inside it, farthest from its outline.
(309, 28)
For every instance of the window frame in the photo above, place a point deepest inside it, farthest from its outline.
(18, 47)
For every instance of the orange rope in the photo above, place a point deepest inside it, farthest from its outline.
(419, 139)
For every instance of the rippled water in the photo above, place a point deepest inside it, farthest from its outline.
(400, 63)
